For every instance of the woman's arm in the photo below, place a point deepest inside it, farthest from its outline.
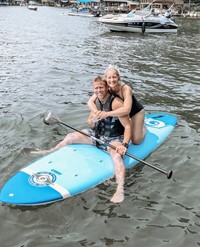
(124, 109)
(117, 104)
(91, 103)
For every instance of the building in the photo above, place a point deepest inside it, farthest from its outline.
(119, 6)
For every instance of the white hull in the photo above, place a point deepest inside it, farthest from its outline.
(31, 7)
(119, 28)
(80, 14)
(87, 12)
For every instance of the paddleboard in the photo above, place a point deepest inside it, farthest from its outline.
(76, 168)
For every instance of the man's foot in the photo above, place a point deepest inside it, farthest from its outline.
(118, 197)
(41, 152)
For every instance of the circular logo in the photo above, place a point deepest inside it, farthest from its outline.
(155, 123)
(42, 178)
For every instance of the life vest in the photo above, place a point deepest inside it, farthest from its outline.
(110, 126)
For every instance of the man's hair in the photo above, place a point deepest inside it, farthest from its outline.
(99, 79)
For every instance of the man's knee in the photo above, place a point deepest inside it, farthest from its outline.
(70, 138)
(74, 137)
(117, 158)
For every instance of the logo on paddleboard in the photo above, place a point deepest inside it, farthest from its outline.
(154, 123)
(42, 178)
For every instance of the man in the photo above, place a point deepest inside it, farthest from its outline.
(113, 130)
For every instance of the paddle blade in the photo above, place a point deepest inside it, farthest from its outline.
(51, 118)
(169, 174)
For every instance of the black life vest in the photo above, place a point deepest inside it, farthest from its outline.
(110, 126)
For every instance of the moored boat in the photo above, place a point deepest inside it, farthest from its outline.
(84, 11)
(32, 5)
(141, 21)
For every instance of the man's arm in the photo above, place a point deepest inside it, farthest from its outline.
(90, 120)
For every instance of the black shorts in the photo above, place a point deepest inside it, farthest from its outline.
(106, 140)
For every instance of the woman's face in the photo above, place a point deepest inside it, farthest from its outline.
(112, 78)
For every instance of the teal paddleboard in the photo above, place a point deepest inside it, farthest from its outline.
(76, 168)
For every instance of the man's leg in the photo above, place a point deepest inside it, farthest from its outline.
(119, 174)
(74, 137)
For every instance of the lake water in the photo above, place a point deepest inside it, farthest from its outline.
(47, 62)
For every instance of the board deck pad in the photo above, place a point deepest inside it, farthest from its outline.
(76, 168)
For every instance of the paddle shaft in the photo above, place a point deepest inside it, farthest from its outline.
(168, 174)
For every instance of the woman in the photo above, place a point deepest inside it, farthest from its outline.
(131, 106)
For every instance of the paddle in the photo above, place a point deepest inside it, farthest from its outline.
(52, 118)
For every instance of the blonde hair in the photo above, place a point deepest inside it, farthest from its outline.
(111, 67)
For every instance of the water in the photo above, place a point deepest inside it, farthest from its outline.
(48, 61)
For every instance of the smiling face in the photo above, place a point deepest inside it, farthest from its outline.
(100, 88)
(112, 78)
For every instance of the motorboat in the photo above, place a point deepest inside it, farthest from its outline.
(32, 5)
(84, 11)
(141, 21)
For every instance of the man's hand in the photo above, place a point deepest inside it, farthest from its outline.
(121, 149)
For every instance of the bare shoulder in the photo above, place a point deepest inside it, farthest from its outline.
(127, 89)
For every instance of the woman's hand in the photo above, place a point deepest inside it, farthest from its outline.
(103, 114)
(99, 115)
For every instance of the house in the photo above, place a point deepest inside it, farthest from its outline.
(164, 4)
(119, 5)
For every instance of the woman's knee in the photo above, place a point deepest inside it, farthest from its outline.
(138, 128)
(136, 140)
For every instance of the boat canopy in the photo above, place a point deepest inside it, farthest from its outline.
(32, 3)
(85, 1)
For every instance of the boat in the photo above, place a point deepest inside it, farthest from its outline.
(32, 5)
(76, 168)
(84, 11)
(141, 21)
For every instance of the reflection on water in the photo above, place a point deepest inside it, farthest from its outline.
(48, 61)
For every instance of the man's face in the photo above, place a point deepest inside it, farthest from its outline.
(100, 89)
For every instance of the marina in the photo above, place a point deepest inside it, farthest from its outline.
(178, 8)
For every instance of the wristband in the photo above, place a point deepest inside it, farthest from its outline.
(125, 144)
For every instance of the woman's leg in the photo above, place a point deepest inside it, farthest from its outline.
(137, 127)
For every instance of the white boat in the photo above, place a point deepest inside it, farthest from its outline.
(84, 11)
(141, 21)
(32, 5)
